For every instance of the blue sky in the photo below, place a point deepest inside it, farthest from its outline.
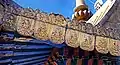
(64, 7)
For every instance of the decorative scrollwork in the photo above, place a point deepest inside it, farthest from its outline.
(57, 19)
(74, 25)
(9, 22)
(72, 38)
(102, 31)
(114, 47)
(116, 34)
(16, 10)
(28, 12)
(1, 15)
(41, 30)
(111, 32)
(89, 28)
(84, 28)
(57, 34)
(25, 26)
(102, 44)
(13, 9)
(86, 41)
(43, 16)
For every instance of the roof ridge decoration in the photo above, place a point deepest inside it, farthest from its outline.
(58, 29)
(101, 13)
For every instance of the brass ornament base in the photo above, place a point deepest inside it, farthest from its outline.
(79, 13)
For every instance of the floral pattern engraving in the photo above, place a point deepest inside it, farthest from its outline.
(25, 26)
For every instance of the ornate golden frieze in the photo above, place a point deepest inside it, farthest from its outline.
(59, 20)
(43, 26)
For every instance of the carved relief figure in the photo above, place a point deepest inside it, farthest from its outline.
(102, 44)
(25, 26)
(41, 30)
(114, 47)
(57, 34)
(72, 38)
(86, 41)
